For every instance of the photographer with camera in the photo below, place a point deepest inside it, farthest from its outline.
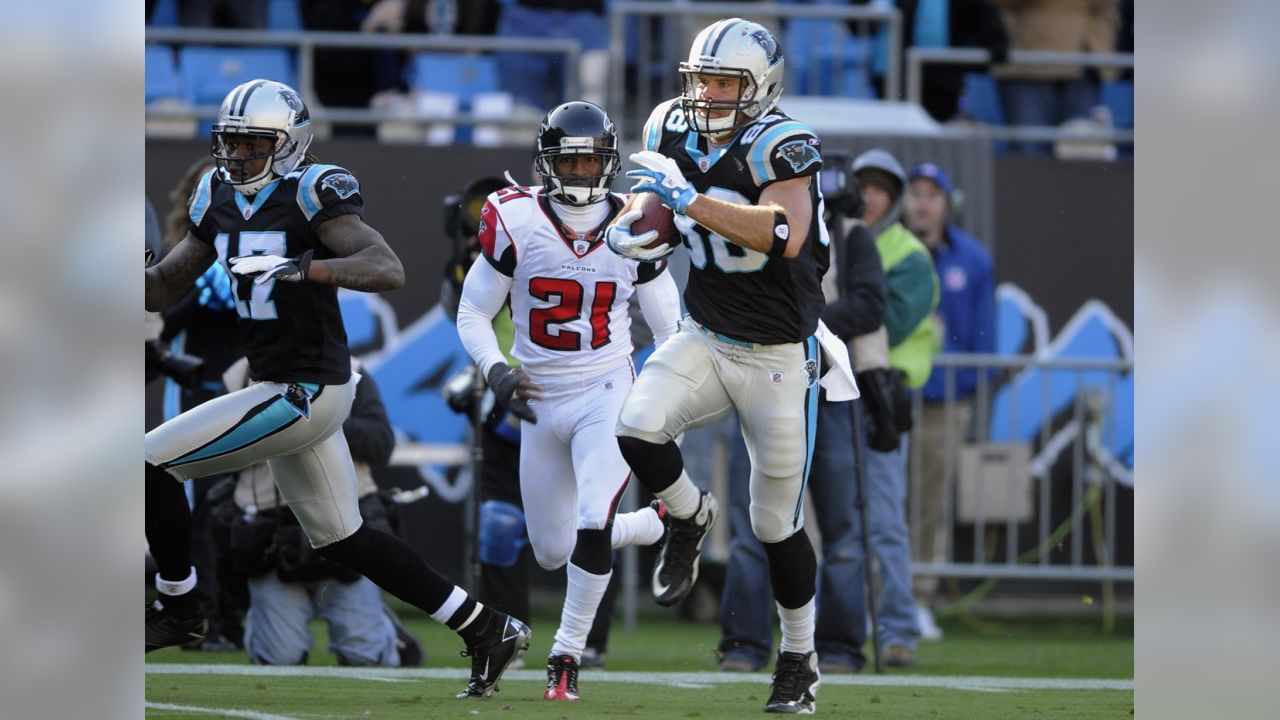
(288, 582)
(854, 288)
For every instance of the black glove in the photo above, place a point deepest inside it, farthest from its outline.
(902, 416)
(503, 381)
(876, 388)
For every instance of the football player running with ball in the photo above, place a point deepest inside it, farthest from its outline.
(290, 232)
(543, 247)
(741, 178)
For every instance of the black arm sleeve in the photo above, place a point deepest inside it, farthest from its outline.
(860, 308)
(367, 429)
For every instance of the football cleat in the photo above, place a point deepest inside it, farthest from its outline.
(493, 655)
(168, 629)
(562, 678)
(795, 684)
(676, 569)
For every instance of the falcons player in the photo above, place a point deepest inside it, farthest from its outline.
(543, 247)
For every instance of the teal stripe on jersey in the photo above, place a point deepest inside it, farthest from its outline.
(258, 201)
(759, 155)
(271, 419)
(308, 198)
(811, 420)
(202, 199)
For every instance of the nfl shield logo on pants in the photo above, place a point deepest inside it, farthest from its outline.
(775, 376)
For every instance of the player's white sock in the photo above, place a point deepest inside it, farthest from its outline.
(797, 628)
(642, 527)
(179, 587)
(682, 497)
(581, 600)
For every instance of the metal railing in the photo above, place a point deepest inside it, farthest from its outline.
(1086, 430)
(917, 57)
(689, 17)
(306, 42)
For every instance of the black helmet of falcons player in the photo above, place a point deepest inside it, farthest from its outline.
(577, 128)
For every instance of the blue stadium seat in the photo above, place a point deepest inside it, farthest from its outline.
(164, 14)
(1118, 97)
(819, 50)
(162, 79)
(283, 15)
(460, 75)
(209, 73)
(981, 102)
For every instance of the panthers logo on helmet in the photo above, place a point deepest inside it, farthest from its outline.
(766, 40)
(343, 184)
(799, 153)
(295, 104)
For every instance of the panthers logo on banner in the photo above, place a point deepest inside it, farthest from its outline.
(342, 184)
(799, 153)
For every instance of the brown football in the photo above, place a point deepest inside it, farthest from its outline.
(656, 216)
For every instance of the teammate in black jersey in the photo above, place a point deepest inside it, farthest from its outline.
(740, 176)
(290, 233)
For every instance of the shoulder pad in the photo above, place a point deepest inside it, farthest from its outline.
(792, 140)
(314, 179)
(653, 127)
(514, 204)
(201, 197)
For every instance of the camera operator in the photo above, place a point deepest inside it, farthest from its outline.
(289, 583)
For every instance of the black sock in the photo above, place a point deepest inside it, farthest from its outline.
(793, 570)
(482, 625)
(657, 467)
(168, 524)
(393, 565)
(593, 551)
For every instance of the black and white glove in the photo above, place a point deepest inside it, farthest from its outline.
(273, 267)
(504, 380)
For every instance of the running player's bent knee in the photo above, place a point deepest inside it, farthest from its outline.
(594, 551)
(553, 553)
(641, 419)
(793, 569)
(502, 533)
(773, 526)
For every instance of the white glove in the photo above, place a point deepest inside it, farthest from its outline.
(620, 240)
(272, 267)
(662, 177)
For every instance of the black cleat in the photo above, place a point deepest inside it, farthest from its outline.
(795, 684)
(166, 628)
(676, 569)
(562, 678)
(492, 655)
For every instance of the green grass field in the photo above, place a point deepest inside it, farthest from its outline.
(1001, 668)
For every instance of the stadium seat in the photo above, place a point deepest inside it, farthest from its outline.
(1118, 97)
(463, 76)
(164, 14)
(161, 74)
(209, 73)
(283, 15)
(981, 102)
(824, 59)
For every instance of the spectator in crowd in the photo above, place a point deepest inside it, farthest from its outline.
(966, 310)
(1052, 94)
(942, 24)
(290, 583)
(223, 13)
(855, 290)
(535, 79)
(912, 335)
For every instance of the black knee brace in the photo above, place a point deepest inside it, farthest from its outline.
(656, 466)
(793, 570)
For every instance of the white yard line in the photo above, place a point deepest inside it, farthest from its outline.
(684, 680)
(220, 712)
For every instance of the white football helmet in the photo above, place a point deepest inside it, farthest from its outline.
(260, 109)
(738, 48)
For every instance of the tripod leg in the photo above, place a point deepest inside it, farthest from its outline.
(859, 448)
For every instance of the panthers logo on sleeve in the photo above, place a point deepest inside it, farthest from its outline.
(343, 184)
(800, 154)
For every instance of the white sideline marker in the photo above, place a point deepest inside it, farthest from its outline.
(220, 712)
(688, 680)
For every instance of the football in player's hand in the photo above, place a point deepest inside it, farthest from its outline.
(655, 216)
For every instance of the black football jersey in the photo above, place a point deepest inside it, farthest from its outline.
(292, 331)
(732, 290)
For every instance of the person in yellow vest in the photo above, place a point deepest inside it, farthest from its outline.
(913, 339)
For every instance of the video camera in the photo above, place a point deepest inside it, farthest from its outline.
(839, 191)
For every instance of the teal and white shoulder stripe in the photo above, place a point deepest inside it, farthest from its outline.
(763, 147)
(308, 197)
(657, 120)
(201, 198)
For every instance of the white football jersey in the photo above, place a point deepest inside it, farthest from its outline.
(569, 292)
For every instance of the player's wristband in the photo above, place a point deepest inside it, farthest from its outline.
(781, 231)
